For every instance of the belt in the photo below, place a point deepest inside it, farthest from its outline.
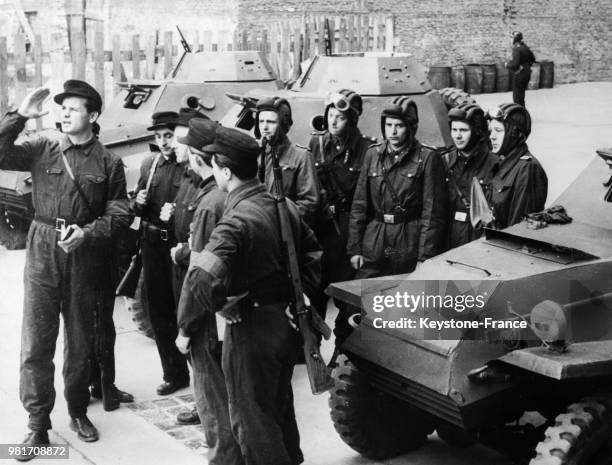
(57, 223)
(394, 218)
(267, 297)
(155, 233)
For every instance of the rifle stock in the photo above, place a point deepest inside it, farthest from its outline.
(318, 372)
(129, 282)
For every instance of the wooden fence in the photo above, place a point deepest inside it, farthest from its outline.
(50, 61)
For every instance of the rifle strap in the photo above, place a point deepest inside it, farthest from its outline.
(78, 186)
(389, 184)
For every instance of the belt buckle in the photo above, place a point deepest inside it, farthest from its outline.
(388, 218)
(60, 223)
(163, 233)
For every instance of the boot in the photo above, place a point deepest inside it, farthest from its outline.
(110, 399)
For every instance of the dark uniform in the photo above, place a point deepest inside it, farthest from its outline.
(520, 65)
(209, 382)
(299, 178)
(57, 282)
(400, 210)
(187, 199)
(245, 255)
(460, 171)
(338, 166)
(157, 240)
(519, 187)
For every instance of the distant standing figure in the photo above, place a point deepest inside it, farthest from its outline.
(520, 64)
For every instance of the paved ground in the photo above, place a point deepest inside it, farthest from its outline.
(569, 123)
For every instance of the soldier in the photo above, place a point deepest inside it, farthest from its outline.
(197, 329)
(180, 211)
(244, 257)
(470, 158)
(520, 65)
(519, 186)
(160, 177)
(338, 153)
(79, 195)
(273, 116)
(400, 208)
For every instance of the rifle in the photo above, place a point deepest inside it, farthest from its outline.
(129, 283)
(307, 320)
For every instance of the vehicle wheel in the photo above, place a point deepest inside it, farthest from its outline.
(373, 423)
(454, 97)
(139, 311)
(577, 435)
(13, 230)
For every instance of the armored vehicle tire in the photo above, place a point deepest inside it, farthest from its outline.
(577, 435)
(139, 311)
(454, 97)
(13, 230)
(374, 424)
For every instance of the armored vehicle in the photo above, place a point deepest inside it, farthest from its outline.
(199, 80)
(527, 371)
(376, 76)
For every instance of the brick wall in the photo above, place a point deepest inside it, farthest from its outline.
(575, 34)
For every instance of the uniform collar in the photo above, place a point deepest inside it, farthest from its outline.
(244, 191)
(397, 156)
(66, 144)
(351, 142)
(163, 160)
(509, 161)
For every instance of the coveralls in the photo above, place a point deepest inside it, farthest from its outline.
(518, 187)
(245, 254)
(460, 171)
(338, 164)
(209, 383)
(520, 65)
(299, 176)
(56, 282)
(400, 210)
(156, 241)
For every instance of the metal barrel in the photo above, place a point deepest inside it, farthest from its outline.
(458, 77)
(502, 81)
(489, 77)
(534, 80)
(547, 74)
(473, 78)
(439, 76)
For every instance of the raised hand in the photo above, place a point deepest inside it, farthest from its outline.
(31, 107)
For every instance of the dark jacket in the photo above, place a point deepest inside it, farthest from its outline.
(416, 175)
(211, 203)
(518, 187)
(337, 167)
(244, 252)
(186, 201)
(459, 174)
(164, 187)
(522, 58)
(299, 177)
(99, 172)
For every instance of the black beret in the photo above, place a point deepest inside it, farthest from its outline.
(201, 132)
(234, 144)
(185, 115)
(76, 88)
(164, 119)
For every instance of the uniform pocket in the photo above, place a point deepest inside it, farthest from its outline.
(94, 187)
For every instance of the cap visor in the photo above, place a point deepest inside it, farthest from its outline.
(170, 126)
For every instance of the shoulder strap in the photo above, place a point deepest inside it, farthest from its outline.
(77, 185)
